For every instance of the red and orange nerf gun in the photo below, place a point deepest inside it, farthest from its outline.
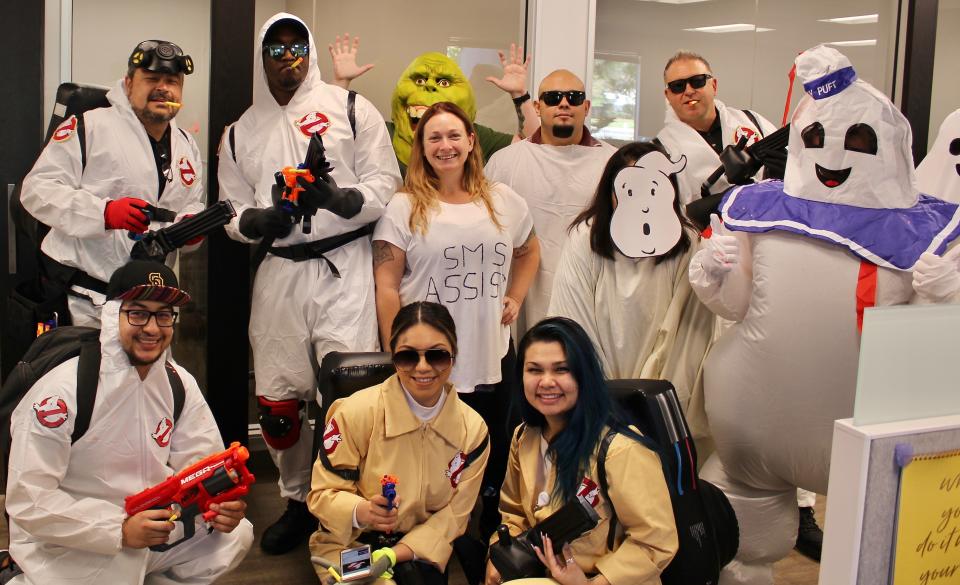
(221, 477)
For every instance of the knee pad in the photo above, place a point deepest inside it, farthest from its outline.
(280, 421)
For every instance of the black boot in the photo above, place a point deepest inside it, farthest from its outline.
(295, 526)
(809, 535)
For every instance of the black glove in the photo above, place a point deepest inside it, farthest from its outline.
(775, 164)
(269, 223)
(324, 194)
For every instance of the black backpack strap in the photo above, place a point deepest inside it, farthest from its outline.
(232, 138)
(753, 118)
(476, 453)
(350, 474)
(179, 392)
(88, 378)
(352, 111)
(604, 486)
(82, 137)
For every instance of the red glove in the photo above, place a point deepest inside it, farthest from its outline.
(126, 213)
(196, 240)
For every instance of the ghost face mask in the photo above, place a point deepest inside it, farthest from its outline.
(848, 143)
(645, 222)
(430, 78)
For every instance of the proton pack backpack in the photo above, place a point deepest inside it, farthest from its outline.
(49, 351)
(707, 528)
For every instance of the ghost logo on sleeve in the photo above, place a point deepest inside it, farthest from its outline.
(65, 130)
(455, 468)
(331, 437)
(51, 411)
(589, 491)
(163, 432)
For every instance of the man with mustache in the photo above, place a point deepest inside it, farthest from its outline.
(96, 179)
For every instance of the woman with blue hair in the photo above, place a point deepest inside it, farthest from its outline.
(567, 412)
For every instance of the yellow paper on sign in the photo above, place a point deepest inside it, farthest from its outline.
(928, 521)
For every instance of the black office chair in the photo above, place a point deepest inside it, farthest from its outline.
(343, 373)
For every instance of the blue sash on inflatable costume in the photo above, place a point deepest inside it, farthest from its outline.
(892, 238)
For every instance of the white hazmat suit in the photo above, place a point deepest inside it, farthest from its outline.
(70, 198)
(302, 310)
(557, 183)
(680, 139)
(66, 501)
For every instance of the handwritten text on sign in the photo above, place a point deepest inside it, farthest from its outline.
(928, 522)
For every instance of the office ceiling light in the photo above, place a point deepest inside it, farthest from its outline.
(860, 43)
(674, 1)
(728, 28)
(862, 19)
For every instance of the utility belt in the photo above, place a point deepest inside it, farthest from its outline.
(318, 248)
(378, 540)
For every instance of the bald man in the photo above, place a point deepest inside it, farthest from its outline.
(556, 170)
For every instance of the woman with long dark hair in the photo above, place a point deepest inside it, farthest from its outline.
(623, 277)
(414, 428)
(453, 238)
(567, 412)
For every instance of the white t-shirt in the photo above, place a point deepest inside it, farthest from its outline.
(463, 262)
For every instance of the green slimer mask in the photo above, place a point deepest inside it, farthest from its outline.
(430, 78)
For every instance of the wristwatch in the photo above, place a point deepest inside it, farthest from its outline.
(518, 101)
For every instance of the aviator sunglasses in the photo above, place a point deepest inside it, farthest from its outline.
(277, 50)
(407, 359)
(678, 86)
(553, 98)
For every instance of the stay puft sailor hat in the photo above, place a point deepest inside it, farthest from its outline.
(848, 143)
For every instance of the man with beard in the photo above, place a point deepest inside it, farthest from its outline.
(314, 291)
(104, 173)
(556, 170)
(65, 499)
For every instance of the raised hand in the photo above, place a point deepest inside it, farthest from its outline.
(514, 79)
(343, 53)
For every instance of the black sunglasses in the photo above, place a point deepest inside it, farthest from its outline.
(407, 359)
(277, 50)
(678, 86)
(553, 98)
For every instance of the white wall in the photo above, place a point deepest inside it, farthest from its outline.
(106, 31)
(751, 67)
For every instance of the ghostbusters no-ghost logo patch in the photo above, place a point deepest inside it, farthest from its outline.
(589, 491)
(65, 130)
(187, 174)
(313, 123)
(749, 133)
(331, 437)
(164, 432)
(51, 411)
(455, 468)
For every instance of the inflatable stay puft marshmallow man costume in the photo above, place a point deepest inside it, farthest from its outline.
(794, 265)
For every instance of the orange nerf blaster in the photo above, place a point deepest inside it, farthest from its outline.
(314, 164)
(221, 477)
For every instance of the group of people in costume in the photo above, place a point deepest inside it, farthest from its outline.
(442, 242)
